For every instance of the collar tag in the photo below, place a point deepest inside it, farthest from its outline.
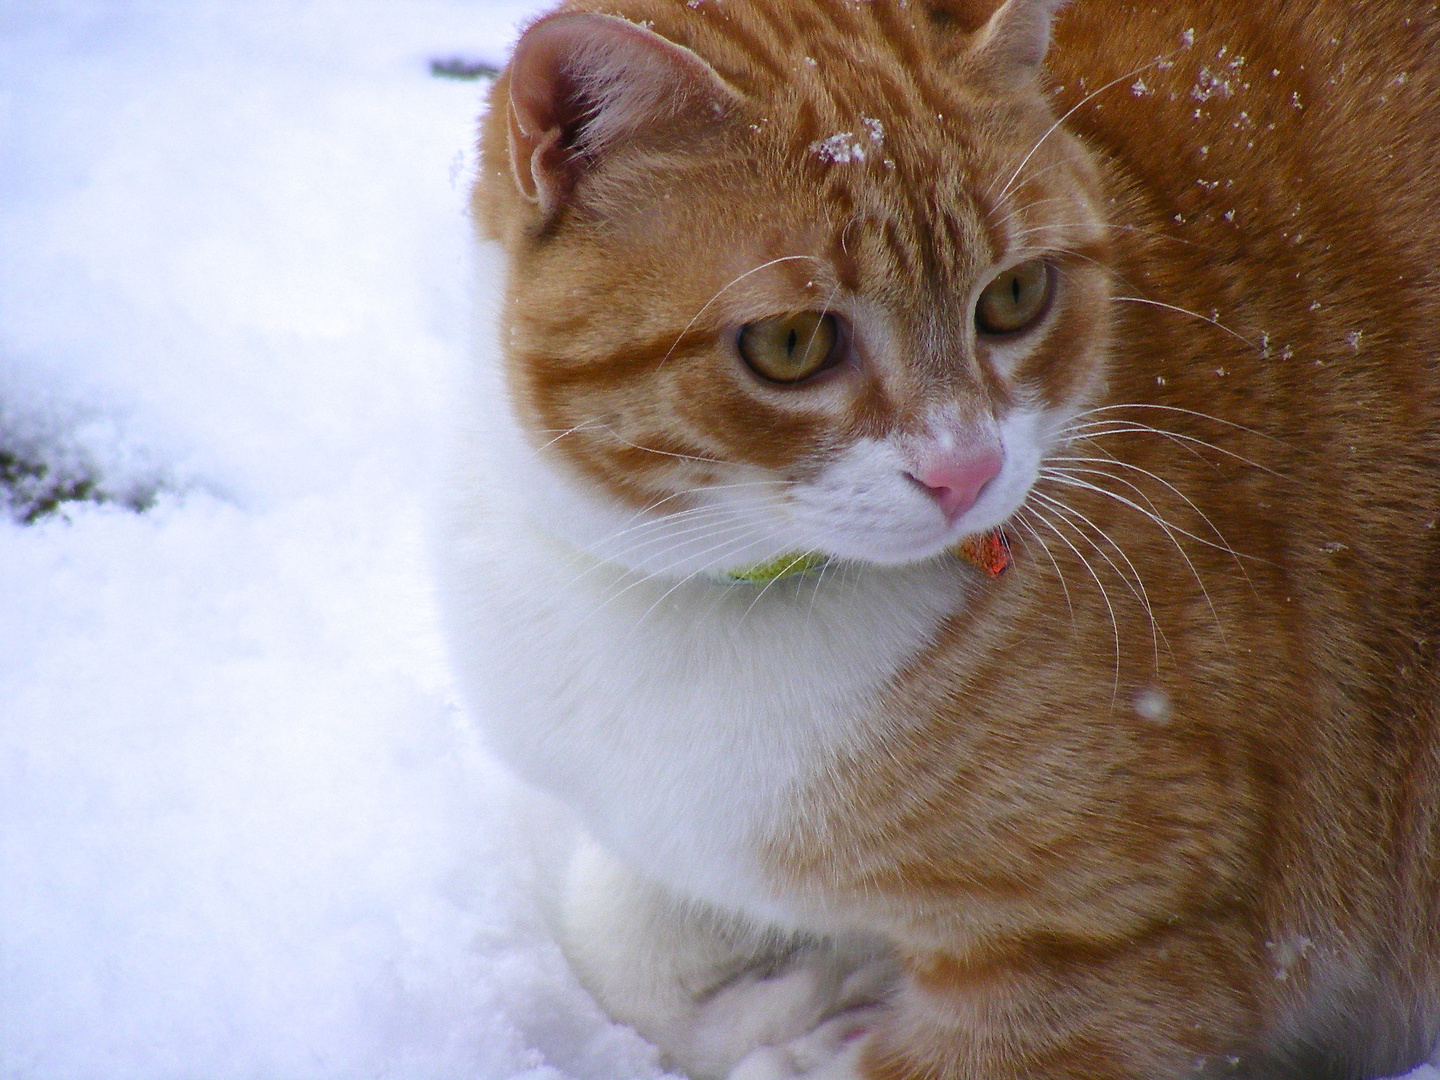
(988, 552)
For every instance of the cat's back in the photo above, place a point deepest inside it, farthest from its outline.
(1322, 110)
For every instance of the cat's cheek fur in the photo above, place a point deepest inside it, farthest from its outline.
(540, 489)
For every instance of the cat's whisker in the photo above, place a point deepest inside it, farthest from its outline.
(735, 541)
(1060, 478)
(694, 519)
(1068, 113)
(1136, 586)
(638, 522)
(706, 517)
(825, 308)
(1105, 596)
(1008, 193)
(724, 289)
(1259, 348)
(1185, 412)
(997, 223)
(595, 425)
(1152, 510)
(766, 588)
(1098, 431)
(685, 580)
(1059, 574)
(1128, 427)
(672, 529)
(825, 569)
(756, 599)
(1109, 459)
(665, 532)
(1007, 198)
(1051, 225)
(1108, 270)
(638, 516)
(701, 520)
(1222, 545)
(586, 425)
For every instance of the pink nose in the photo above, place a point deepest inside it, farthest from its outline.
(956, 482)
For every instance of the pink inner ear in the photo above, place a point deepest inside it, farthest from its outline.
(580, 82)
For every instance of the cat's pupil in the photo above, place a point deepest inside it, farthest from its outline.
(791, 342)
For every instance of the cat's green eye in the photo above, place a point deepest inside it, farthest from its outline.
(1016, 300)
(792, 347)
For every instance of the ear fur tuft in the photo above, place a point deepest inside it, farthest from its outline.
(580, 84)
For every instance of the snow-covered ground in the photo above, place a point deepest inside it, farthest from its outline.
(244, 832)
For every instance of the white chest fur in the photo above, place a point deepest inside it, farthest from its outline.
(680, 720)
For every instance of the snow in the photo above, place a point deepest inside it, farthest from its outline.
(841, 148)
(244, 829)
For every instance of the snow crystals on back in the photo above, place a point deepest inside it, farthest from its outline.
(840, 149)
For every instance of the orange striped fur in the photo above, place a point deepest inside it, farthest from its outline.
(1163, 800)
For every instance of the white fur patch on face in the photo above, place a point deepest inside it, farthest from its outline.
(867, 506)
(1027, 434)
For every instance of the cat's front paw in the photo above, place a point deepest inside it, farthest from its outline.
(831, 1051)
(794, 1022)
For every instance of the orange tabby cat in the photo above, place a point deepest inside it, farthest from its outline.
(806, 296)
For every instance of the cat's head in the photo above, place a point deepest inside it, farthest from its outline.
(790, 275)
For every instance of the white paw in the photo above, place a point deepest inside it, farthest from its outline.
(759, 1011)
(829, 1052)
(790, 1023)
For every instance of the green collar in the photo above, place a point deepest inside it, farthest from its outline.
(987, 552)
(782, 566)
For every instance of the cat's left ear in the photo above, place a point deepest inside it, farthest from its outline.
(582, 85)
(1011, 46)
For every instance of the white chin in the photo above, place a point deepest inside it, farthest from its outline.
(889, 547)
(928, 537)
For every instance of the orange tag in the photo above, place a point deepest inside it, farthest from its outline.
(989, 553)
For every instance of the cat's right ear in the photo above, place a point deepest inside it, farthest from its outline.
(581, 84)
(1012, 45)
